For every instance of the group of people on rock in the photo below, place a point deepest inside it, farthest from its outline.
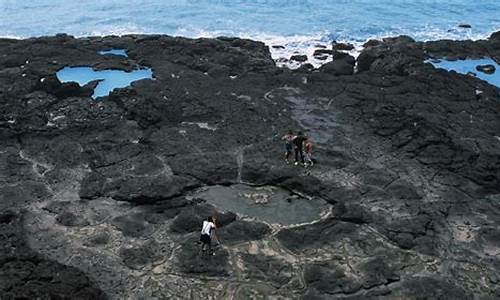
(298, 145)
(301, 145)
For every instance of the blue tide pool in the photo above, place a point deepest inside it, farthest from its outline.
(108, 79)
(470, 66)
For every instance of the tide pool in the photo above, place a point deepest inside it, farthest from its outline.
(108, 79)
(266, 203)
(469, 66)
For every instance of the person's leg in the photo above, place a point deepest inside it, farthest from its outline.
(309, 159)
(296, 155)
(302, 156)
(210, 251)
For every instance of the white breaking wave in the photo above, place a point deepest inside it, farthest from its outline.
(287, 46)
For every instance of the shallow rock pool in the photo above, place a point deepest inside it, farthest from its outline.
(267, 203)
(108, 79)
(468, 66)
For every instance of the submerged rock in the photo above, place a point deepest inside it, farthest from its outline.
(488, 69)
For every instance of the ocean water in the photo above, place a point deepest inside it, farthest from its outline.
(298, 25)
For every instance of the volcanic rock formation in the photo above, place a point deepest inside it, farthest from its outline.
(101, 199)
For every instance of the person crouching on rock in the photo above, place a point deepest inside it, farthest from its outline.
(308, 152)
(205, 237)
(298, 142)
(288, 138)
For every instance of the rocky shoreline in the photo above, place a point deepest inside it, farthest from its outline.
(104, 199)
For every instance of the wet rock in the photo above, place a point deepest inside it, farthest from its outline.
(464, 26)
(278, 47)
(371, 43)
(342, 46)
(488, 69)
(341, 65)
(374, 57)
(322, 52)
(299, 58)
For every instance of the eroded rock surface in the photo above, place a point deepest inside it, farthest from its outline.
(99, 199)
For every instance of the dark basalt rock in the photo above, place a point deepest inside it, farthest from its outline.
(330, 280)
(242, 231)
(268, 268)
(342, 64)
(24, 274)
(303, 237)
(136, 257)
(299, 58)
(342, 46)
(193, 261)
(70, 219)
(488, 69)
(407, 155)
(191, 218)
(321, 52)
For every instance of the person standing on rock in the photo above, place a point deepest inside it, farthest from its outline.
(205, 236)
(308, 152)
(288, 138)
(298, 142)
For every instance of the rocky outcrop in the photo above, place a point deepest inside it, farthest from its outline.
(342, 64)
(98, 199)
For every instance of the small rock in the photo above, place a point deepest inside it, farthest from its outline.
(299, 58)
(321, 52)
(278, 47)
(464, 26)
(488, 69)
(371, 43)
(342, 46)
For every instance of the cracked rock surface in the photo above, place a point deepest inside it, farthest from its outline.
(104, 199)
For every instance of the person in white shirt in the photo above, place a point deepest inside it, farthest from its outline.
(205, 236)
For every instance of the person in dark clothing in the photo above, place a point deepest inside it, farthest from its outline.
(298, 143)
(288, 138)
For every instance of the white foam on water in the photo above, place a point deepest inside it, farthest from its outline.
(292, 44)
